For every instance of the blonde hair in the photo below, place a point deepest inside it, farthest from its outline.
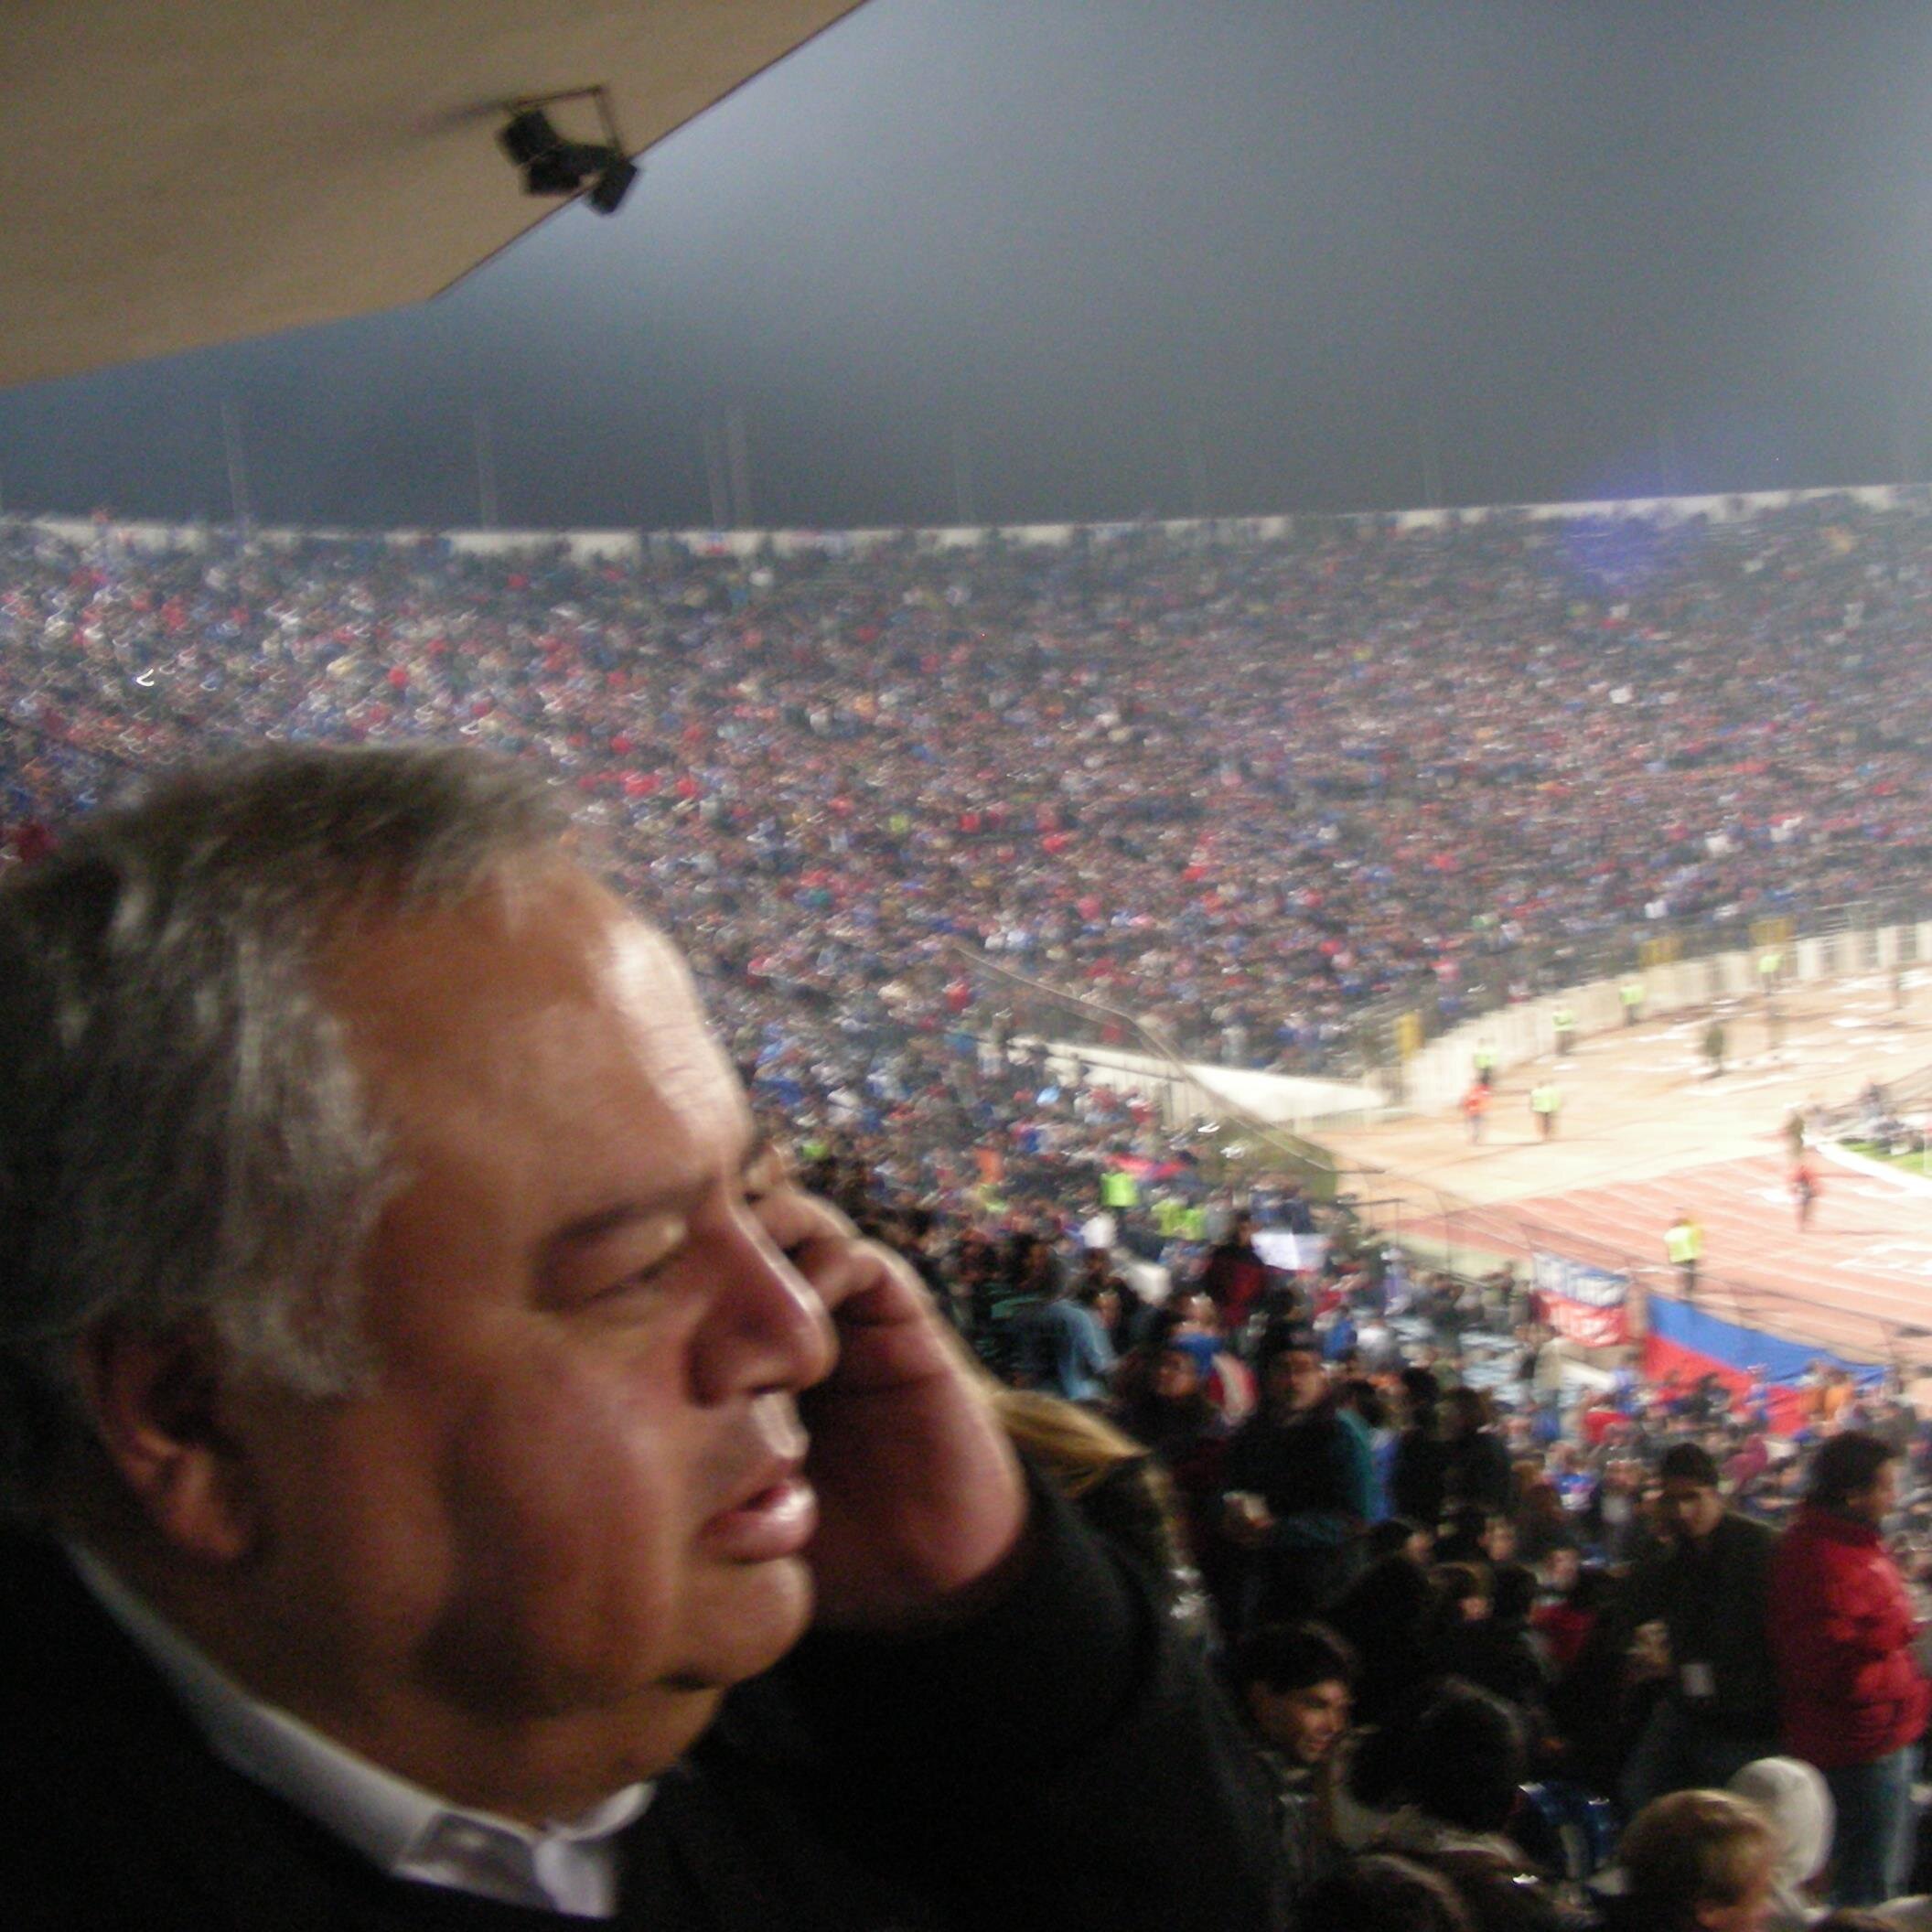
(1695, 1848)
(1076, 1447)
(1115, 1483)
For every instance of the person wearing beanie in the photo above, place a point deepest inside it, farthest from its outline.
(1797, 1802)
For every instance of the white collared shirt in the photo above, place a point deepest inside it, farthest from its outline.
(405, 1830)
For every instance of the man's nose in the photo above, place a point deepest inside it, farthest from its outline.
(765, 1326)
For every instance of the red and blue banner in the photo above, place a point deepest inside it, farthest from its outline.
(1591, 1305)
(1686, 1342)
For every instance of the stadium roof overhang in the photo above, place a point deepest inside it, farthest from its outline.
(175, 173)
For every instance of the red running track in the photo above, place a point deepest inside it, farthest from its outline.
(1852, 1280)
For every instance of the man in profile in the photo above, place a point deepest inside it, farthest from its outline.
(1710, 1588)
(424, 1399)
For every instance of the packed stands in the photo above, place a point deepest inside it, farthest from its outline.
(1243, 791)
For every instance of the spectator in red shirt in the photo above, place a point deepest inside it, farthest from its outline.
(1235, 1276)
(1841, 1629)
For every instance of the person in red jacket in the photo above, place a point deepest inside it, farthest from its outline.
(1842, 1628)
(1236, 1277)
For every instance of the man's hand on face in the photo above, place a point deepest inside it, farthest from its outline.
(921, 1494)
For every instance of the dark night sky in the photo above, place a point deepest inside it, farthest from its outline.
(1145, 255)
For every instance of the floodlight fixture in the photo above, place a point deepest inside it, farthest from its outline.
(551, 165)
(607, 194)
(528, 136)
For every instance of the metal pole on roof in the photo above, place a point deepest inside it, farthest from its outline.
(1197, 456)
(962, 476)
(739, 451)
(486, 472)
(713, 447)
(237, 468)
(1432, 466)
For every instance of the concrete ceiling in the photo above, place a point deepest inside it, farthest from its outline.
(175, 173)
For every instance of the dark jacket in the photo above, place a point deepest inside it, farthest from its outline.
(1714, 1599)
(1314, 1472)
(1418, 1482)
(1499, 1655)
(1841, 1627)
(1476, 1470)
(1059, 1760)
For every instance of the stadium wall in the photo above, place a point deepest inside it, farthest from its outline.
(635, 547)
(1201, 1091)
(1439, 1075)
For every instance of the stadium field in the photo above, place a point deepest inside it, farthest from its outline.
(1645, 1130)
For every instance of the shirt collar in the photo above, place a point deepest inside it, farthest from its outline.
(569, 1866)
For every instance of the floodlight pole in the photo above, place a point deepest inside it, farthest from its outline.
(961, 478)
(714, 473)
(1196, 458)
(238, 498)
(739, 454)
(486, 472)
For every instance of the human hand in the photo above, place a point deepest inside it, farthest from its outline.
(921, 1495)
(1246, 1518)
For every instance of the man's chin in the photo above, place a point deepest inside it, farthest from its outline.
(755, 1616)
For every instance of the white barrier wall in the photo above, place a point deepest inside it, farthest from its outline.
(1439, 1075)
(1206, 1089)
(745, 544)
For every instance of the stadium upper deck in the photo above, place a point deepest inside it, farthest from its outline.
(1241, 790)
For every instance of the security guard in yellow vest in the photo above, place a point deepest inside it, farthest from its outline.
(1684, 1248)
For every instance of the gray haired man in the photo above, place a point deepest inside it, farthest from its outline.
(425, 1398)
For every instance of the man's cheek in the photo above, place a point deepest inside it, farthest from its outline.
(562, 1509)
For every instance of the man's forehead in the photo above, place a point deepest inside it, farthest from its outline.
(524, 935)
(542, 983)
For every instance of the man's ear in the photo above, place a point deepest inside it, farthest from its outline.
(160, 1402)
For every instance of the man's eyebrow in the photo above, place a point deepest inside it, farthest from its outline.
(764, 1153)
(761, 1151)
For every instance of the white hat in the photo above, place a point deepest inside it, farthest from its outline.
(1794, 1798)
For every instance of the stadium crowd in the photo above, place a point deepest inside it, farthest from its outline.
(1478, 1604)
(1240, 790)
(1512, 1620)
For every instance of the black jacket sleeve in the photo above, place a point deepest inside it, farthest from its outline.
(1063, 1759)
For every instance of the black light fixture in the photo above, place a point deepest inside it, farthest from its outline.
(551, 165)
(613, 184)
(528, 136)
